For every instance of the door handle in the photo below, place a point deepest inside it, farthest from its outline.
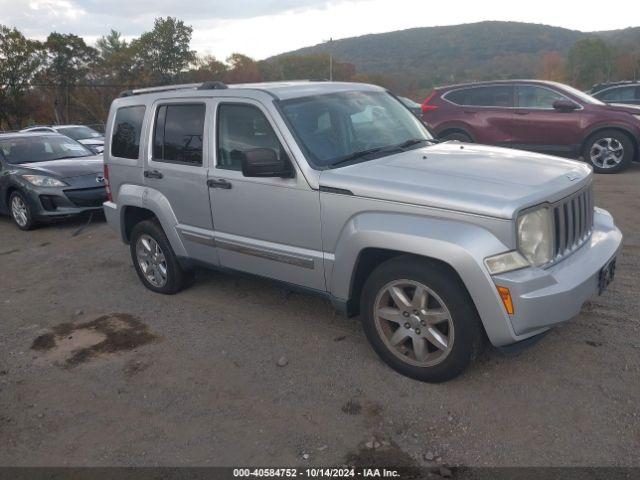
(219, 183)
(153, 174)
(521, 112)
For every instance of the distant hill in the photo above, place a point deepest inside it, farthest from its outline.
(485, 50)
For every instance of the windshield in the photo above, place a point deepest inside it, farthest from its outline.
(585, 97)
(337, 126)
(40, 148)
(79, 133)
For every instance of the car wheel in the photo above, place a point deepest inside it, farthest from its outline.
(420, 319)
(459, 136)
(21, 211)
(608, 151)
(154, 259)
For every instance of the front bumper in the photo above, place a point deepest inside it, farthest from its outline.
(52, 203)
(545, 297)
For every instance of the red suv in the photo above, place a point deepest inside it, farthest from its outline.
(536, 115)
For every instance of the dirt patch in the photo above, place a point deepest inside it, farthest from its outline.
(134, 367)
(385, 454)
(73, 344)
(352, 407)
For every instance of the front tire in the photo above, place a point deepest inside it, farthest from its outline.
(419, 319)
(155, 261)
(21, 212)
(608, 151)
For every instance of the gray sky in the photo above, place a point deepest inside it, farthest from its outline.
(260, 28)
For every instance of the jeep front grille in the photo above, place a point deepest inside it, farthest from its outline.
(573, 222)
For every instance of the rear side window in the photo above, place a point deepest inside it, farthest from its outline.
(178, 133)
(125, 142)
(490, 96)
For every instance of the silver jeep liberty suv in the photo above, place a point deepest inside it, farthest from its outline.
(338, 189)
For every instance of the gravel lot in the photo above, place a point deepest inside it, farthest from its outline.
(203, 384)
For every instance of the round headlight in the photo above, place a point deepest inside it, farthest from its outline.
(535, 236)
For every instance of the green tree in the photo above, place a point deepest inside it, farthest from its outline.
(590, 61)
(69, 60)
(118, 62)
(242, 69)
(204, 68)
(164, 52)
(20, 60)
(111, 44)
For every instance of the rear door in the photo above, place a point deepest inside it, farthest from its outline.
(176, 167)
(487, 110)
(538, 126)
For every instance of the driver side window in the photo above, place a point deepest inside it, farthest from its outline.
(530, 96)
(242, 127)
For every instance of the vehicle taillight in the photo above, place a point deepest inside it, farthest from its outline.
(106, 183)
(426, 107)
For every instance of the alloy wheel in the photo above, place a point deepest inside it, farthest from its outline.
(19, 211)
(607, 152)
(414, 323)
(152, 261)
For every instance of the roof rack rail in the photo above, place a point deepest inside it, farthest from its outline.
(168, 88)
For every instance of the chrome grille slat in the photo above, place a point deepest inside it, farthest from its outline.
(573, 222)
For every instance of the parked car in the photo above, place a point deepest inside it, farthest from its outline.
(415, 107)
(540, 116)
(617, 92)
(87, 136)
(433, 244)
(47, 176)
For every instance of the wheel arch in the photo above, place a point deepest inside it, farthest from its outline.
(137, 203)
(461, 247)
(620, 128)
(455, 128)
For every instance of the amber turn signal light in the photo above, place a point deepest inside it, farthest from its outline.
(505, 295)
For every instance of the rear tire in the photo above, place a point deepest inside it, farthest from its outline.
(21, 212)
(155, 261)
(432, 338)
(458, 136)
(608, 151)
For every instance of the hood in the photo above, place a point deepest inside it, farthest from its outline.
(464, 177)
(92, 141)
(68, 167)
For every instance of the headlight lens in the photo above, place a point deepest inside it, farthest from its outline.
(535, 236)
(43, 181)
(505, 262)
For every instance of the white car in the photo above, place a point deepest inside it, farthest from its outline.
(87, 136)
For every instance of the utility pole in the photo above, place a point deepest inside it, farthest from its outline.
(330, 42)
(330, 59)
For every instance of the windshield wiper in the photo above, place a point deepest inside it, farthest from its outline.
(356, 156)
(414, 141)
(385, 149)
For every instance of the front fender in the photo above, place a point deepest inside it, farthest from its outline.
(461, 245)
(130, 195)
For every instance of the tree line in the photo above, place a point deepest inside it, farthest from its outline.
(64, 80)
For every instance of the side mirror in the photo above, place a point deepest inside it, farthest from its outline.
(565, 105)
(265, 162)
